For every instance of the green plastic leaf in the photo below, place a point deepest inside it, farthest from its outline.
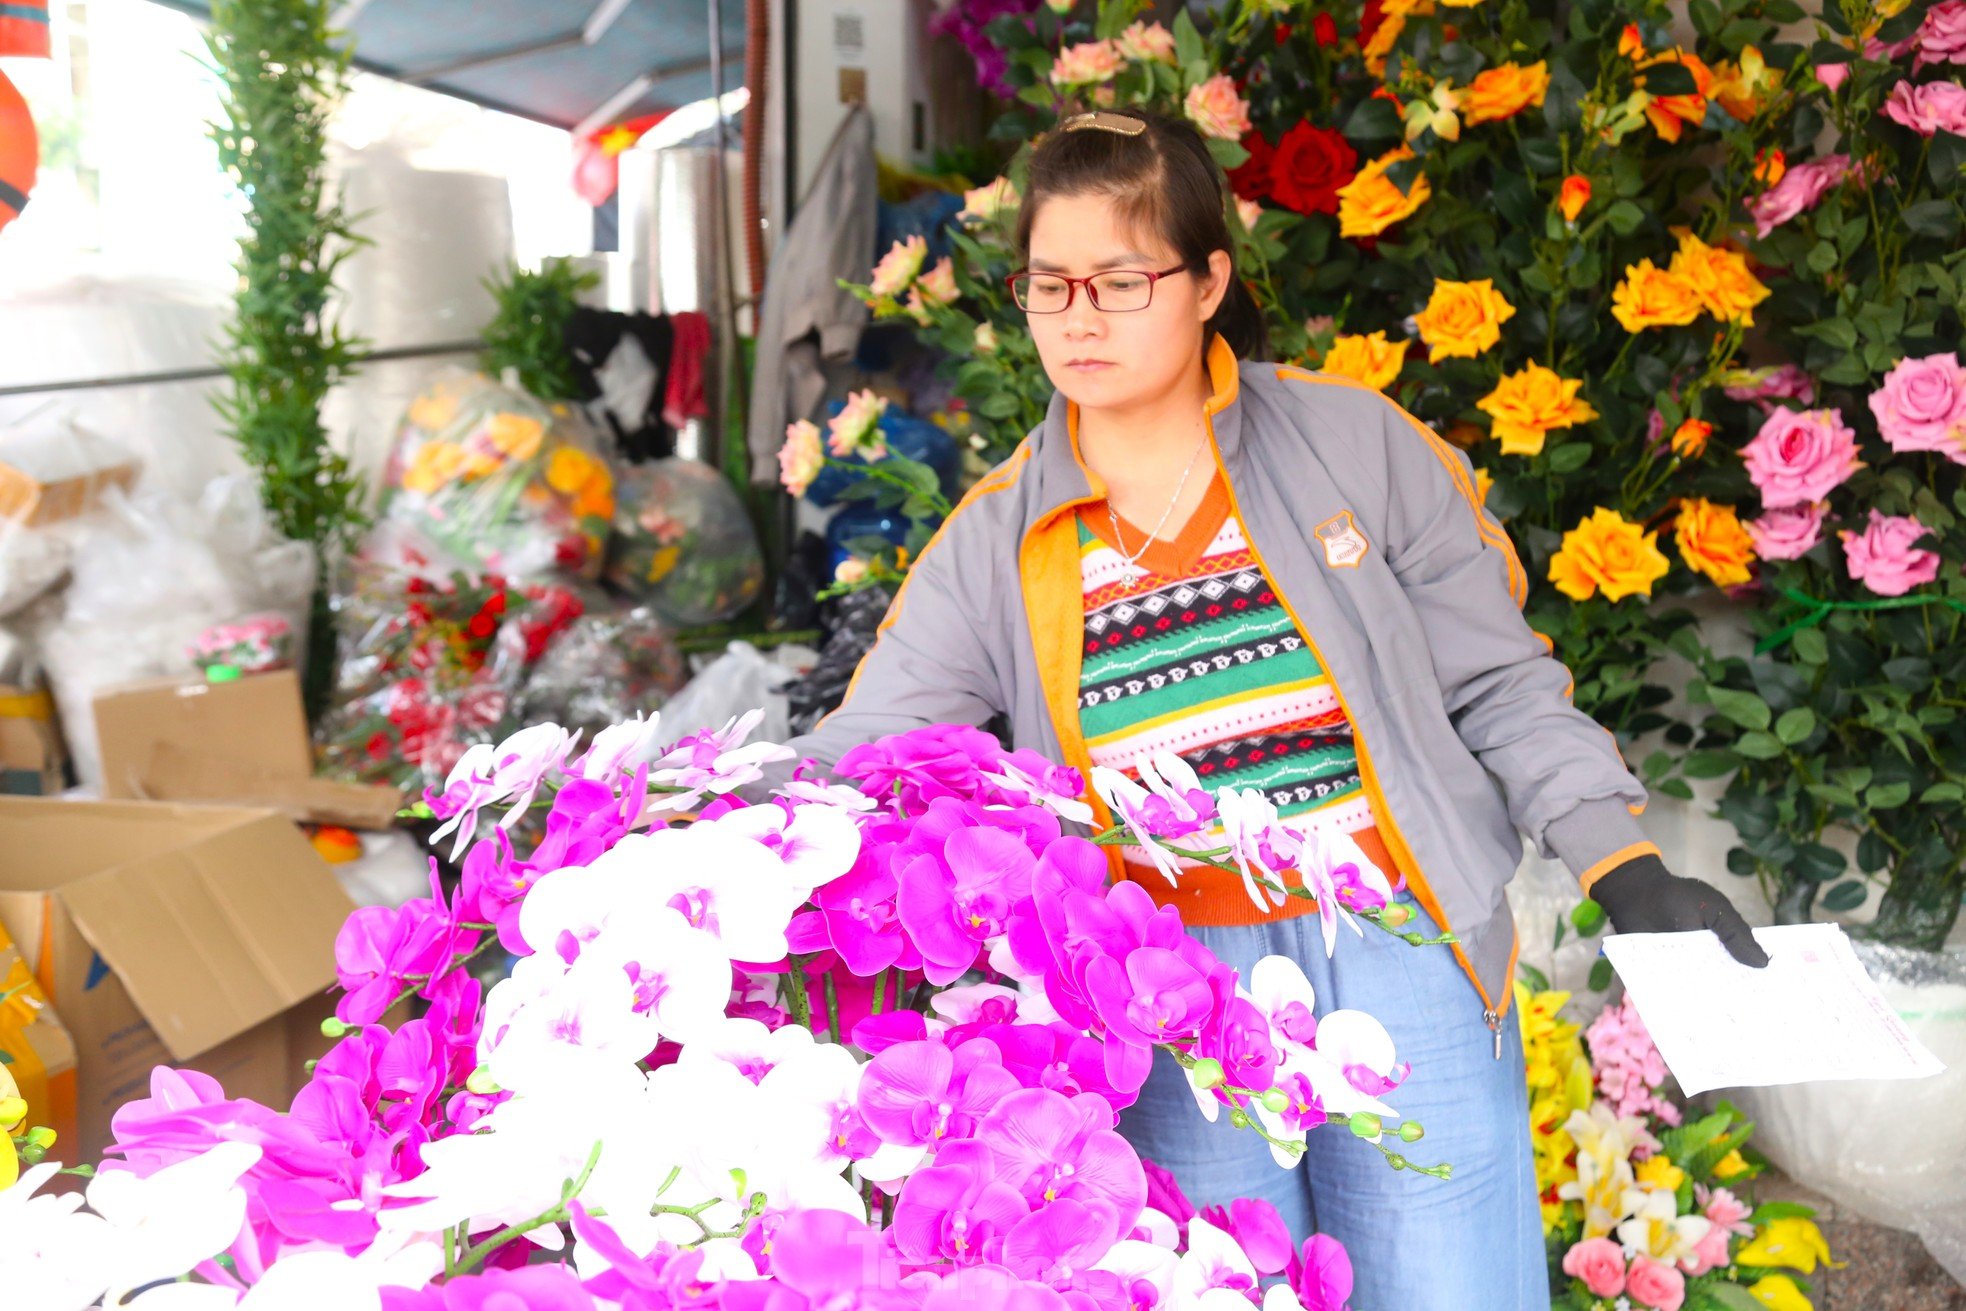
(1373, 120)
(1888, 796)
(1847, 895)
(1795, 725)
(1187, 41)
(1570, 457)
(1587, 917)
(1759, 746)
(1600, 977)
(1744, 708)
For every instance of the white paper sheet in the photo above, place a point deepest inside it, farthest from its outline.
(1812, 1014)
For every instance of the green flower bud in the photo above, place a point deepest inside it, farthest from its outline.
(1367, 1125)
(1396, 1161)
(481, 1082)
(333, 1028)
(1239, 1118)
(1395, 915)
(1411, 1131)
(1207, 1073)
(1275, 1100)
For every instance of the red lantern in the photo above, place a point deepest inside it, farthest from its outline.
(24, 28)
(20, 150)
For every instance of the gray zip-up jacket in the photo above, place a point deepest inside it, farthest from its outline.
(1407, 589)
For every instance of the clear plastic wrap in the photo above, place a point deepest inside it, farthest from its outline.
(484, 478)
(426, 668)
(1892, 1151)
(149, 574)
(603, 669)
(683, 544)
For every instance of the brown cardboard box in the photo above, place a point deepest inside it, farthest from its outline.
(241, 743)
(30, 744)
(197, 936)
(26, 497)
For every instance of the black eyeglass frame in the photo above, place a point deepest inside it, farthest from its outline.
(1072, 287)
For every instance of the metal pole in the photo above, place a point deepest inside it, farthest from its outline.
(205, 372)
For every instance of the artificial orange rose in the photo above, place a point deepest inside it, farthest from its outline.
(1652, 297)
(1371, 359)
(435, 408)
(1370, 203)
(1669, 115)
(1770, 164)
(517, 436)
(1607, 553)
(1720, 278)
(432, 465)
(1462, 319)
(1689, 439)
(1505, 89)
(1713, 542)
(1740, 87)
(1574, 195)
(1631, 43)
(1527, 405)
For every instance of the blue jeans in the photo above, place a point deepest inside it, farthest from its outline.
(1470, 1243)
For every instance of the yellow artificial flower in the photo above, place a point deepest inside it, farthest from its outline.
(1779, 1293)
(1462, 318)
(1652, 297)
(1689, 439)
(1484, 484)
(1740, 87)
(1770, 164)
(432, 465)
(1659, 1172)
(517, 436)
(13, 1113)
(1731, 1166)
(1574, 195)
(1605, 1143)
(1559, 1078)
(435, 408)
(1371, 359)
(1713, 542)
(1719, 277)
(1631, 43)
(1437, 111)
(570, 469)
(1506, 89)
(1527, 405)
(1669, 115)
(1792, 1241)
(1370, 203)
(1386, 35)
(1607, 553)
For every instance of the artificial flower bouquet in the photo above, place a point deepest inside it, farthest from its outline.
(683, 544)
(427, 666)
(862, 1043)
(492, 479)
(1639, 1201)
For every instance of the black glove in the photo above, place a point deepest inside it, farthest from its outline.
(1643, 896)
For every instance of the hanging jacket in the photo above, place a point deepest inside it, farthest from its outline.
(805, 317)
(1407, 589)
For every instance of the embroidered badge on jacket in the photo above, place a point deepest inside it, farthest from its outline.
(1344, 544)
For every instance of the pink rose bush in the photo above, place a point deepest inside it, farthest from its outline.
(1800, 456)
(1883, 556)
(1928, 107)
(1921, 406)
(858, 1041)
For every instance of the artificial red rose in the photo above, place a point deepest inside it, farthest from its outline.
(1324, 30)
(1283, 33)
(1369, 19)
(1311, 164)
(1251, 178)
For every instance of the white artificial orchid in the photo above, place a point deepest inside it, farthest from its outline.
(713, 762)
(1212, 1274)
(815, 843)
(55, 1255)
(1259, 845)
(556, 1025)
(511, 771)
(164, 1223)
(1018, 783)
(724, 883)
(620, 749)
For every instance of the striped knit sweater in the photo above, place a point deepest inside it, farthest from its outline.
(1190, 651)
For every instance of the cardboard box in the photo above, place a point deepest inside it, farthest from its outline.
(30, 744)
(197, 936)
(242, 743)
(42, 499)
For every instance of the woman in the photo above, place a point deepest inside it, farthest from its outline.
(1285, 579)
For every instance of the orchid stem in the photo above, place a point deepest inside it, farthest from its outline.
(832, 1007)
(795, 982)
(555, 1214)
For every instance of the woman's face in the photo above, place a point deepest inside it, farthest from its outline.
(1106, 359)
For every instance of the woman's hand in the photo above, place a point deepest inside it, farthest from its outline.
(1643, 896)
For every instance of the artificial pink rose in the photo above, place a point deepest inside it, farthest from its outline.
(1086, 62)
(1215, 108)
(1883, 558)
(800, 459)
(1921, 406)
(1723, 1210)
(1942, 36)
(1765, 385)
(1878, 51)
(1600, 1263)
(1799, 190)
(1800, 456)
(1710, 1253)
(1148, 43)
(1787, 533)
(1832, 75)
(1928, 108)
(1655, 1284)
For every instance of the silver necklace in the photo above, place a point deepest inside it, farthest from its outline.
(1133, 561)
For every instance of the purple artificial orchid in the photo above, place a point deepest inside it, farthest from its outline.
(1258, 1230)
(957, 1209)
(921, 1094)
(954, 902)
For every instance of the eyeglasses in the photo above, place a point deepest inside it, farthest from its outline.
(1115, 291)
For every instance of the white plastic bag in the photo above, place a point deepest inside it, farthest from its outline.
(149, 574)
(740, 680)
